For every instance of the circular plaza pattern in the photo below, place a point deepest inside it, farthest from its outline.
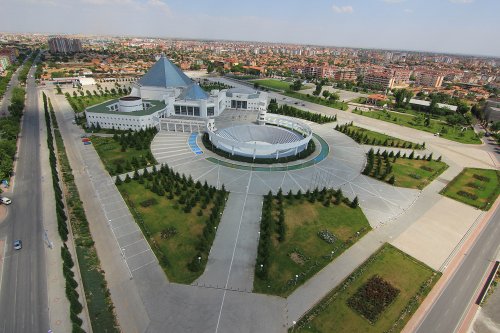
(280, 137)
(338, 165)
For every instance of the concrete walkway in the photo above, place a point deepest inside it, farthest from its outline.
(232, 257)
(120, 245)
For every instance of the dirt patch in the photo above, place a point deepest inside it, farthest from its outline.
(297, 258)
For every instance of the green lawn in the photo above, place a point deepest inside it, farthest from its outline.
(412, 278)
(303, 252)
(365, 136)
(179, 249)
(318, 100)
(276, 84)
(409, 173)
(446, 131)
(476, 187)
(110, 153)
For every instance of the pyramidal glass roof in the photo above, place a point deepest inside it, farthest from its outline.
(165, 74)
(193, 92)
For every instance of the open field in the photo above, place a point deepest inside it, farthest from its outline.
(173, 234)
(446, 131)
(475, 187)
(110, 152)
(365, 136)
(410, 277)
(303, 252)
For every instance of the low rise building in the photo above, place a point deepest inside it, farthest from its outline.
(165, 91)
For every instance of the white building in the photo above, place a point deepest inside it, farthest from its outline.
(165, 91)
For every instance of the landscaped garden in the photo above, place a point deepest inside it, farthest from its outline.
(379, 296)
(178, 217)
(302, 233)
(367, 137)
(398, 169)
(291, 111)
(423, 123)
(125, 152)
(476, 187)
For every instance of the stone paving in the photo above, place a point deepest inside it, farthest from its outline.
(340, 169)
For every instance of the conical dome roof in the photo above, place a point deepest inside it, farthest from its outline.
(165, 74)
(193, 92)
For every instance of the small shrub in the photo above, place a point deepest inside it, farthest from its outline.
(481, 178)
(372, 298)
(169, 232)
(149, 202)
(327, 236)
(467, 195)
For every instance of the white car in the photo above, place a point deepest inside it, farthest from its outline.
(5, 201)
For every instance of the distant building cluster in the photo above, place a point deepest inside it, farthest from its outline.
(327, 72)
(64, 45)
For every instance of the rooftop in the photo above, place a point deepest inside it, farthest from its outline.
(193, 92)
(103, 108)
(165, 74)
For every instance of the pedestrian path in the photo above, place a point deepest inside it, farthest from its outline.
(232, 257)
(193, 145)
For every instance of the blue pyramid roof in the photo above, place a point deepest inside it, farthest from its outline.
(193, 92)
(165, 74)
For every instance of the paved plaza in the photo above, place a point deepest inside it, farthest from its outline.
(341, 168)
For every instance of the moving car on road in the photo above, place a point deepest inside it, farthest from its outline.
(5, 201)
(18, 244)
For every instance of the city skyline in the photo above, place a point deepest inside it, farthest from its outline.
(398, 24)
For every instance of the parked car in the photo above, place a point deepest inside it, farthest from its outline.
(5, 200)
(85, 140)
(86, 143)
(18, 244)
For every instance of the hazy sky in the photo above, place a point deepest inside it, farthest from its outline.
(453, 26)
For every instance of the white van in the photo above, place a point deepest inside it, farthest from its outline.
(5, 201)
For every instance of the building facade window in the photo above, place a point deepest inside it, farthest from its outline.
(210, 111)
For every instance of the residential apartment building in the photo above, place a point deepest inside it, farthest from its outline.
(64, 45)
(379, 78)
(429, 79)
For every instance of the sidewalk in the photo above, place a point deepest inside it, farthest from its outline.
(455, 263)
(93, 183)
(232, 256)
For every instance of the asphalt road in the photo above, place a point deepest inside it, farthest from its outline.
(447, 313)
(23, 294)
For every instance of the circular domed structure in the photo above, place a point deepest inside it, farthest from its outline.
(130, 104)
(285, 137)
